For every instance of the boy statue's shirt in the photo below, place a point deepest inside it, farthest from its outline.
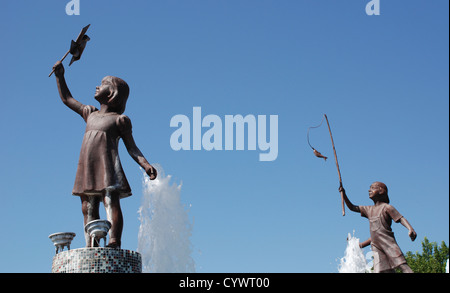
(385, 211)
(380, 217)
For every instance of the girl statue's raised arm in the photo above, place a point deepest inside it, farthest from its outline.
(64, 92)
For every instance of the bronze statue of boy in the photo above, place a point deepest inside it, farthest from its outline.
(386, 252)
(100, 176)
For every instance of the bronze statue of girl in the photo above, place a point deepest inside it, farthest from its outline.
(100, 176)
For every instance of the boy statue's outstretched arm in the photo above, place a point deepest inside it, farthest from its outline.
(64, 92)
(411, 233)
(349, 204)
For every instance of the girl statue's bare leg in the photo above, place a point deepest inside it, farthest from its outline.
(111, 200)
(90, 208)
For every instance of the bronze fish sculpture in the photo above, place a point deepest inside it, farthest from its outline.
(319, 155)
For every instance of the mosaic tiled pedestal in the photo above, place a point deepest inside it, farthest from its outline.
(97, 260)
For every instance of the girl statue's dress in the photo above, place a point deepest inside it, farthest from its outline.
(99, 168)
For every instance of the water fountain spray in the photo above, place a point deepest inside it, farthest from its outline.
(165, 229)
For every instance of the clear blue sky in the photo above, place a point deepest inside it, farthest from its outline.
(382, 81)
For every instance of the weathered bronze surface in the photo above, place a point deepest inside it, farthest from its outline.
(100, 177)
(387, 254)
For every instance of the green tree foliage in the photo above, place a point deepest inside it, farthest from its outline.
(432, 259)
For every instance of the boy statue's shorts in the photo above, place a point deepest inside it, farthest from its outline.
(383, 262)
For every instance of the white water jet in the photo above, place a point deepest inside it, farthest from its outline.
(354, 260)
(165, 230)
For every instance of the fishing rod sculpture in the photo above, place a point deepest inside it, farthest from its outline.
(319, 155)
